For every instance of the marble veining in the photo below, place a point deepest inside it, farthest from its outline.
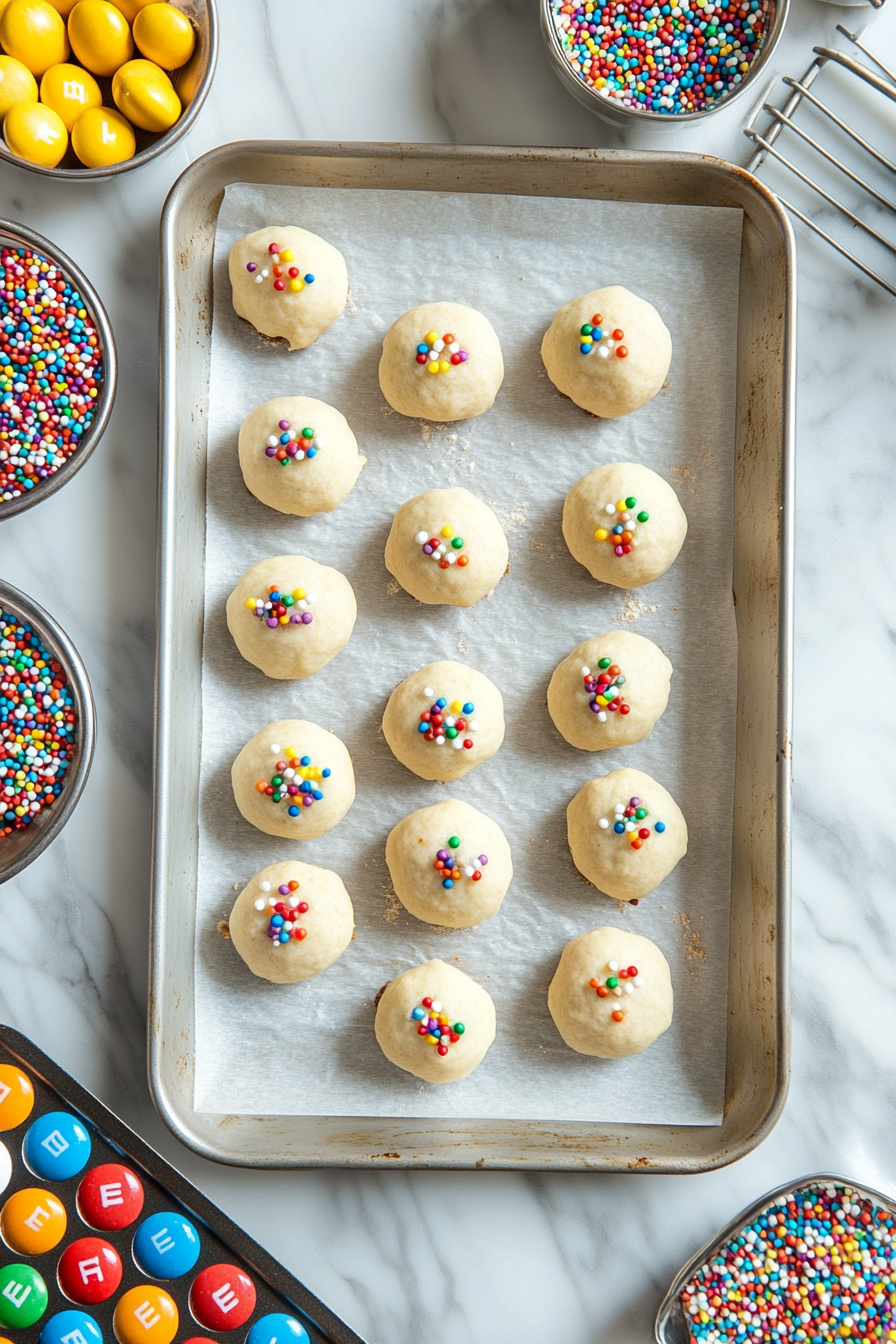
(521, 1257)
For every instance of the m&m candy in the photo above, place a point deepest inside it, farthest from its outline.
(56, 1146)
(222, 1297)
(110, 1197)
(90, 1270)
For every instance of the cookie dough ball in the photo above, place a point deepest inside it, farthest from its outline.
(450, 864)
(608, 350)
(626, 833)
(441, 361)
(459, 1013)
(294, 779)
(298, 455)
(292, 921)
(611, 995)
(290, 616)
(444, 720)
(624, 524)
(610, 691)
(446, 546)
(288, 282)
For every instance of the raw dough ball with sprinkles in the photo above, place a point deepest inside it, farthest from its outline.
(292, 921)
(290, 616)
(441, 361)
(294, 779)
(444, 720)
(624, 524)
(299, 456)
(609, 351)
(611, 995)
(626, 833)
(435, 1022)
(610, 691)
(288, 282)
(450, 864)
(446, 546)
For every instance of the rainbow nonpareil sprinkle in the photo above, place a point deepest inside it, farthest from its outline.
(630, 820)
(446, 721)
(615, 983)
(451, 870)
(50, 370)
(605, 690)
(443, 547)
(285, 909)
(282, 608)
(815, 1266)
(284, 275)
(295, 781)
(620, 524)
(440, 354)
(670, 59)
(435, 1026)
(38, 725)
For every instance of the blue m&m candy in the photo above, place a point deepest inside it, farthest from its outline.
(278, 1328)
(57, 1146)
(166, 1246)
(71, 1327)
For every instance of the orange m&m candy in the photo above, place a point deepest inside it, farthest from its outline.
(145, 1315)
(16, 1097)
(33, 1221)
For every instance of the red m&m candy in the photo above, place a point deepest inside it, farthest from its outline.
(89, 1270)
(222, 1297)
(110, 1197)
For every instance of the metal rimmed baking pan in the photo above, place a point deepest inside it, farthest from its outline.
(23, 847)
(758, 1018)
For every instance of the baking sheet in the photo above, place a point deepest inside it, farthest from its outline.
(310, 1049)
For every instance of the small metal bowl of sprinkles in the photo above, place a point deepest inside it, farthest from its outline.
(636, 60)
(46, 730)
(57, 368)
(810, 1262)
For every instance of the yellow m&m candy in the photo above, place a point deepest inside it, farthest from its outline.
(32, 32)
(146, 96)
(17, 84)
(36, 134)
(69, 90)
(100, 36)
(164, 35)
(101, 137)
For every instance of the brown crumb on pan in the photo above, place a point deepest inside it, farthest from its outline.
(224, 928)
(393, 906)
(692, 938)
(634, 610)
(461, 642)
(684, 476)
(392, 588)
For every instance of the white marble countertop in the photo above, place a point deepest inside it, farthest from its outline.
(519, 1258)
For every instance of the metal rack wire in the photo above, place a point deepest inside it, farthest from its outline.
(782, 119)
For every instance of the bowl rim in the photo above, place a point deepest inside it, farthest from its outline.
(153, 151)
(21, 234)
(52, 634)
(617, 112)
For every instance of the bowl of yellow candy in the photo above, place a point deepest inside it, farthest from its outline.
(92, 88)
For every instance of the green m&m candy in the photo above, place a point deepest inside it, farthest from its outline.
(23, 1296)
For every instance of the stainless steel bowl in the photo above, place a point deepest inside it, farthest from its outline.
(615, 112)
(22, 847)
(20, 235)
(192, 83)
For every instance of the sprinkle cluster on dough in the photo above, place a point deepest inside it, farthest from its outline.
(616, 983)
(285, 907)
(443, 546)
(295, 780)
(451, 870)
(593, 335)
(289, 445)
(281, 608)
(605, 690)
(435, 1026)
(620, 525)
(628, 820)
(444, 722)
(440, 354)
(284, 275)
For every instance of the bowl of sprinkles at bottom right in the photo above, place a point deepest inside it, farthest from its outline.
(46, 730)
(810, 1262)
(636, 60)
